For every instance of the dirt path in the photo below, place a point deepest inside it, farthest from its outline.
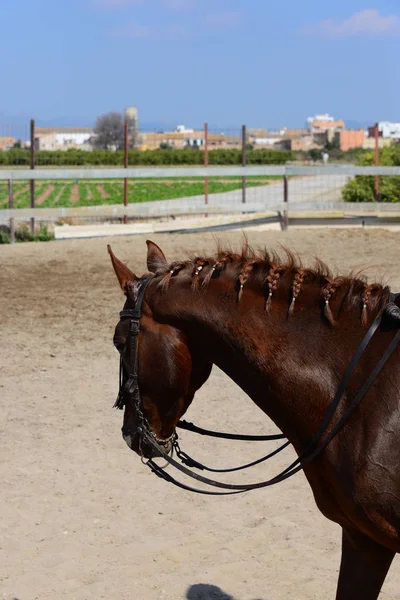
(75, 197)
(81, 517)
(102, 191)
(44, 195)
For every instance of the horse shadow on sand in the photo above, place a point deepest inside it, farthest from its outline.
(205, 591)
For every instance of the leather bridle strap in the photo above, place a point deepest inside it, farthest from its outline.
(228, 436)
(312, 450)
(191, 462)
(129, 385)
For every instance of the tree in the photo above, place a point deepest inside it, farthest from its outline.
(332, 146)
(314, 154)
(109, 132)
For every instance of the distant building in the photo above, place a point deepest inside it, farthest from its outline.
(303, 143)
(326, 118)
(6, 143)
(322, 123)
(63, 138)
(387, 130)
(182, 137)
(351, 138)
(369, 143)
(277, 140)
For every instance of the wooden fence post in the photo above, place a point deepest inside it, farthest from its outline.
(286, 202)
(206, 164)
(32, 181)
(11, 206)
(126, 166)
(244, 135)
(376, 186)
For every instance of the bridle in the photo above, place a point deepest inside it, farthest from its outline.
(129, 380)
(129, 392)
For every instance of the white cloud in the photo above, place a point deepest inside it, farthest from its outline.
(169, 33)
(224, 19)
(366, 23)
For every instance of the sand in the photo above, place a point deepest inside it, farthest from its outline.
(81, 517)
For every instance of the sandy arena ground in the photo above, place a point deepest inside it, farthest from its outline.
(81, 517)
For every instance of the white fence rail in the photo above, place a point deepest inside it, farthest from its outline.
(17, 174)
(274, 200)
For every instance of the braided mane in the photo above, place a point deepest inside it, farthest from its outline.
(268, 268)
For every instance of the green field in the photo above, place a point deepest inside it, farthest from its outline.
(89, 193)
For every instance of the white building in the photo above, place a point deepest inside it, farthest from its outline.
(326, 118)
(63, 138)
(389, 130)
(182, 129)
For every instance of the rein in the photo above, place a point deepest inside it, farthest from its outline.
(129, 387)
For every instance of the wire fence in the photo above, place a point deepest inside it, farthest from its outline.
(59, 175)
(282, 194)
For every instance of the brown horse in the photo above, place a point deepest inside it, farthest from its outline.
(285, 334)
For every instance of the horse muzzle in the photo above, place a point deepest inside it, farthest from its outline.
(142, 447)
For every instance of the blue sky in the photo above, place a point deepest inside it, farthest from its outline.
(259, 62)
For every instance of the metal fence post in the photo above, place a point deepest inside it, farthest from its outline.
(126, 166)
(32, 166)
(244, 135)
(206, 164)
(376, 186)
(286, 202)
(11, 206)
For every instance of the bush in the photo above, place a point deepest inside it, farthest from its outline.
(361, 188)
(23, 234)
(4, 237)
(43, 234)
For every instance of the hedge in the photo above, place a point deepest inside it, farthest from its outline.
(361, 188)
(233, 156)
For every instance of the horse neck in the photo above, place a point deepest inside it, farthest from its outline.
(284, 364)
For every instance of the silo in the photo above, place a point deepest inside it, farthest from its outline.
(131, 116)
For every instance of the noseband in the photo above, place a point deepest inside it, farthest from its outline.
(129, 391)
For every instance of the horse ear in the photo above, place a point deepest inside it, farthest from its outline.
(122, 272)
(155, 257)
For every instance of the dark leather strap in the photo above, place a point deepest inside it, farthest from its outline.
(228, 436)
(191, 462)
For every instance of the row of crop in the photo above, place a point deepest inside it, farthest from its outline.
(72, 157)
(60, 194)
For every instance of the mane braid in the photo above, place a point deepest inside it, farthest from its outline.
(173, 269)
(296, 288)
(245, 274)
(272, 280)
(199, 265)
(268, 268)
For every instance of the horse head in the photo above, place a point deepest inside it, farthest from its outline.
(169, 371)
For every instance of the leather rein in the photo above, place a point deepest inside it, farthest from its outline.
(129, 392)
